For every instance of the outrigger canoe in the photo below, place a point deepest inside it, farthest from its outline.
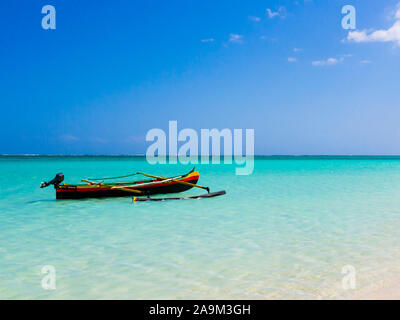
(138, 189)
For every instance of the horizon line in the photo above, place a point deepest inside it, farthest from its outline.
(221, 155)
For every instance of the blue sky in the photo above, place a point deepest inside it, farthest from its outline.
(112, 70)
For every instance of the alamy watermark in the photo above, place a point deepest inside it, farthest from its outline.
(49, 280)
(349, 20)
(349, 280)
(49, 20)
(189, 151)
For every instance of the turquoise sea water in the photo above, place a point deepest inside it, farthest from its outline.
(286, 231)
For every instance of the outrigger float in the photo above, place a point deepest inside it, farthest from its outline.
(141, 189)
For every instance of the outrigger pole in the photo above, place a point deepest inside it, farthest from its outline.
(107, 185)
(177, 181)
(147, 175)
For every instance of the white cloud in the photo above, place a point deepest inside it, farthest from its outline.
(327, 62)
(135, 139)
(280, 13)
(297, 50)
(207, 40)
(69, 138)
(331, 61)
(255, 19)
(391, 34)
(235, 38)
(100, 140)
(365, 61)
(272, 14)
(266, 38)
(291, 59)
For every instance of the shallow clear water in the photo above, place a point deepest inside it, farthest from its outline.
(284, 232)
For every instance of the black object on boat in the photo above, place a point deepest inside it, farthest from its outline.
(56, 181)
(202, 196)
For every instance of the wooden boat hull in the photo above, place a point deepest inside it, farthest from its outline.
(68, 191)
